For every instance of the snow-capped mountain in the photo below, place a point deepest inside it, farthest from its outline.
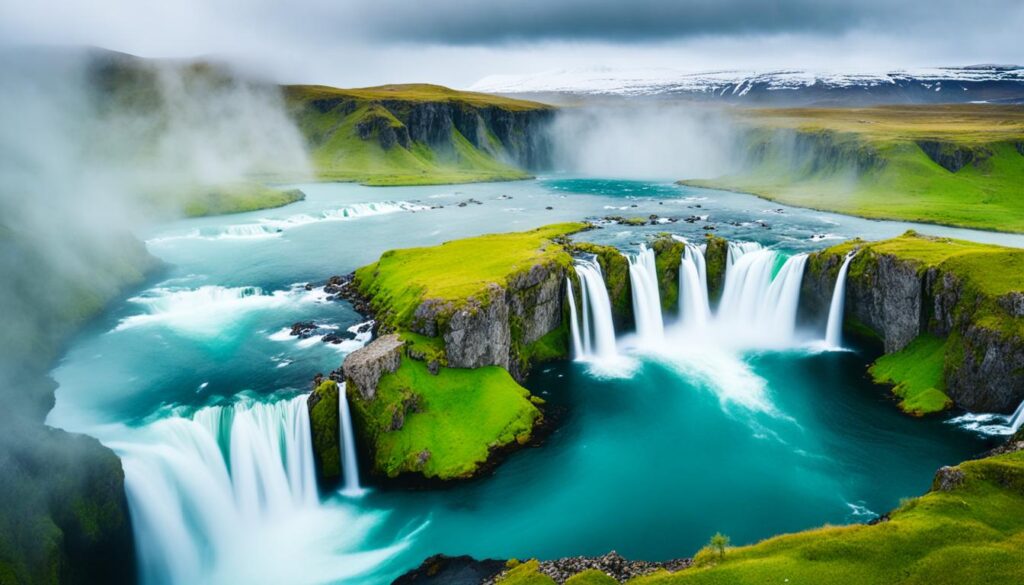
(978, 83)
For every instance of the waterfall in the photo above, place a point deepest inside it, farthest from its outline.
(597, 308)
(350, 464)
(834, 332)
(1016, 420)
(194, 483)
(761, 293)
(577, 344)
(694, 309)
(736, 250)
(643, 277)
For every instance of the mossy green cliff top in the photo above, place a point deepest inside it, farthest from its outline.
(438, 395)
(456, 271)
(950, 314)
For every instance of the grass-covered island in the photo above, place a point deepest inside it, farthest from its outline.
(438, 392)
(959, 165)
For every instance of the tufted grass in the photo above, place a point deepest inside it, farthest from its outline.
(916, 375)
(497, 409)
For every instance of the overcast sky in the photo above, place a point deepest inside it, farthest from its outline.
(456, 42)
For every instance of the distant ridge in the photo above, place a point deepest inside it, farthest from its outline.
(974, 83)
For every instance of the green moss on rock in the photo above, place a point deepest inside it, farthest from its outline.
(716, 255)
(668, 253)
(916, 373)
(323, 419)
(443, 425)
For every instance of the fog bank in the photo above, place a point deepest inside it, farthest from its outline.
(644, 140)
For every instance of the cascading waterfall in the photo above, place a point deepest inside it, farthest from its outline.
(694, 308)
(834, 331)
(736, 250)
(1016, 420)
(350, 464)
(577, 343)
(194, 483)
(643, 277)
(597, 309)
(761, 293)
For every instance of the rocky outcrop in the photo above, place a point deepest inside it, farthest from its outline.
(952, 156)
(668, 253)
(716, 256)
(325, 430)
(903, 288)
(446, 570)
(492, 328)
(364, 367)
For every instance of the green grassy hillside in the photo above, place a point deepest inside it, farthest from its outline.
(953, 165)
(416, 134)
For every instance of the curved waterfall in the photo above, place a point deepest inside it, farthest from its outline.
(194, 483)
(1017, 419)
(694, 308)
(577, 343)
(349, 462)
(834, 331)
(643, 277)
(758, 307)
(762, 293)
(596, 308)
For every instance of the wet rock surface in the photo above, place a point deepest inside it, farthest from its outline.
(364, 367)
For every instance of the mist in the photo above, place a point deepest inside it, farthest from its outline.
(97, 145)
(645, 140)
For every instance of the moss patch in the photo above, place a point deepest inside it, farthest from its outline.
(527, 573)
(591, 577)
(716, 255)
(916, 374)
(323, 420)
(668, 253)
(446, 425)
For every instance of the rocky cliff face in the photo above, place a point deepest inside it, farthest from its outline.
(514, 135)
(899, 295)
(494, 328)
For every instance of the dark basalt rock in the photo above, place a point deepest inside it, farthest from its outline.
(445, 570)
(303, 329)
